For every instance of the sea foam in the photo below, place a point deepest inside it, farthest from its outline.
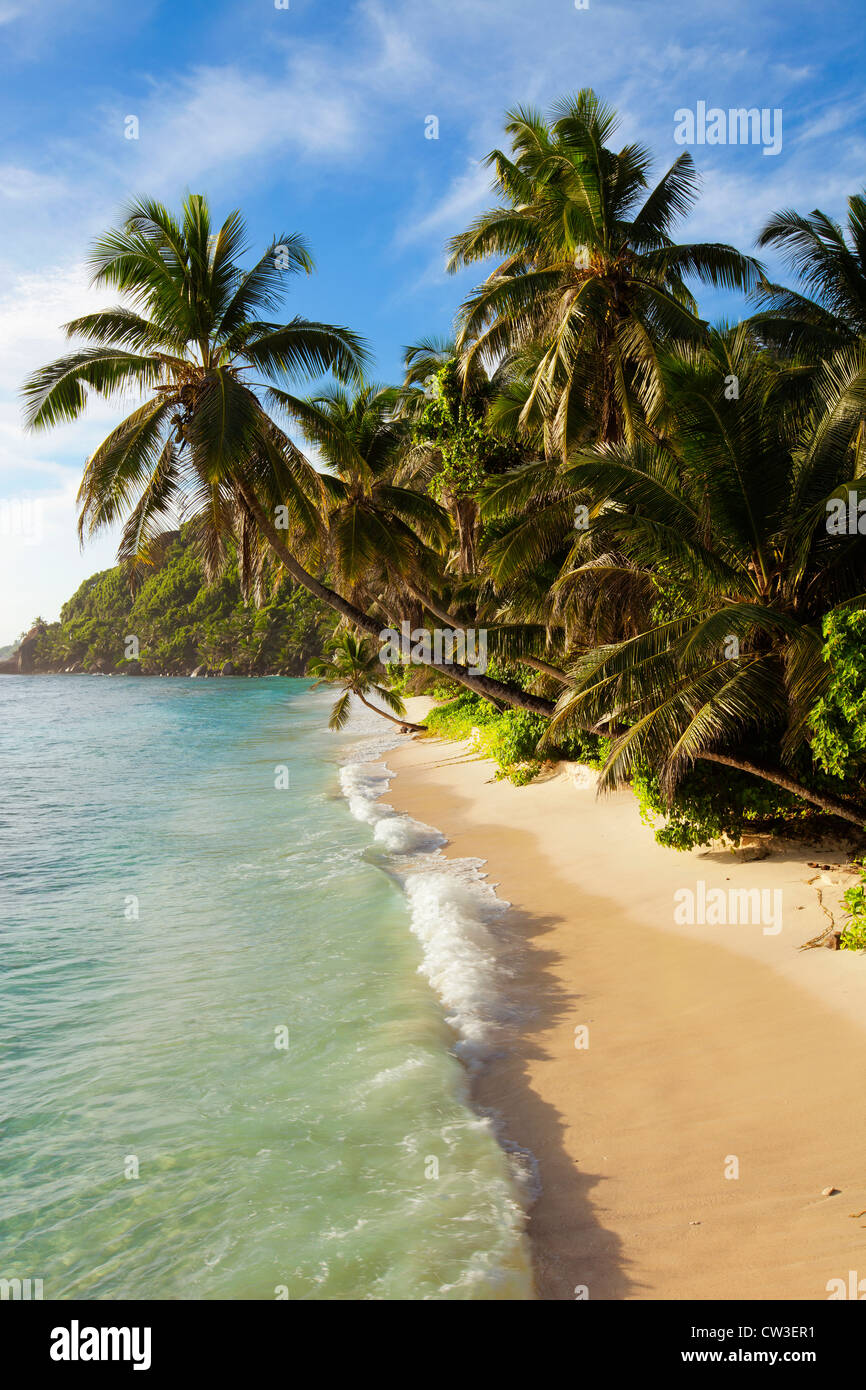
(452, 909)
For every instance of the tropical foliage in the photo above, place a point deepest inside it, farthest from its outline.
(181, 622)
(655, 521)
(354, 665)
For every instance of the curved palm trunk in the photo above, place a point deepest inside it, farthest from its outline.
(831, 804)
(545, 668)
(404, 723)
(444, 616)
(482, 685)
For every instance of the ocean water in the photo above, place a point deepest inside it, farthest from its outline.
(237, 1018)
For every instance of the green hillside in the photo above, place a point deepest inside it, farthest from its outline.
(181, 623)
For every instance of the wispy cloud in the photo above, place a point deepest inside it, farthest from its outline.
(467, 194)
(316, 114)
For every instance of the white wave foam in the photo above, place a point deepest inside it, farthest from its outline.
(451, 909)
(450, 918)
(362, 784)
(390, 1075)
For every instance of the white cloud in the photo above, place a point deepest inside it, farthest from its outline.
(40, 562)
(465, 197)
(25, 185)
(216, 119)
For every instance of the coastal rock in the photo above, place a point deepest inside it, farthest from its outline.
(580, 776)
(199, 671)
(20, 663)
(752, 848)
(228, 669)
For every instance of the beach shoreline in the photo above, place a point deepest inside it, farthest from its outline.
(688, 1091)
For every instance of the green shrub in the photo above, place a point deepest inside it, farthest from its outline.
(581, 747)
(711, 802)
(510, 737)
(853, 938)
(838, 720)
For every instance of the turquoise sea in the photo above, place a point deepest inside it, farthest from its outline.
(236, 1015)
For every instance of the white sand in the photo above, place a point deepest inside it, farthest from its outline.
(712, 1049)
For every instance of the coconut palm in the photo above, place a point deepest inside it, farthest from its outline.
(728, 518)
(377, 529)
(202, 446)
(354, 665)
(589, 284)
(189, 336)
(829, 263)
(452, 449)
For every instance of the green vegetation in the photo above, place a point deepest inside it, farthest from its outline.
(853, 938)
(353, 664)
(634, 506)
(710, 805)
(838, 720)
(510, 737)
(182, 622)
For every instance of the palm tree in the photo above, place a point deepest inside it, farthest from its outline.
(589, 286)
(191, 337)
(378, 531)
(202, 446)
(452, 450)
(829, 261)
(728, 520)
(354, 664)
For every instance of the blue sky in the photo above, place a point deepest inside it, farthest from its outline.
(312, 119)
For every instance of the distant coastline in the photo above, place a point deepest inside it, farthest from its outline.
(169, 620)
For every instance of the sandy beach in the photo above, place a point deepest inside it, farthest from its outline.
(688, 1091)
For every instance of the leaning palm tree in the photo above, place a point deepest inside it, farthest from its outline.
(190, 337)
(728, 518)
(589, 284)
(829, 262)
(354, 665)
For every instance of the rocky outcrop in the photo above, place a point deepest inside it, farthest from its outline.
(21, 662)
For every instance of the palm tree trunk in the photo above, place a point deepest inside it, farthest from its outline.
(444, 616)
(831, 804)
(545, 668)
(404, 723)
(482, 685)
